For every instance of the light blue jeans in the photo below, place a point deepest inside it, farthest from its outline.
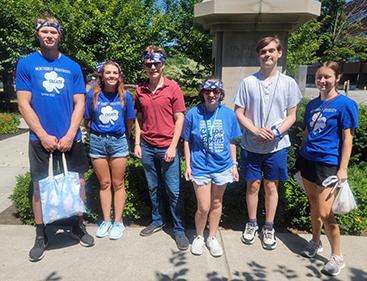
(161, 176)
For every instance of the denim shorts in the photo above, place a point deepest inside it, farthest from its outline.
(271, 166)
(216, 178)
(104, 145)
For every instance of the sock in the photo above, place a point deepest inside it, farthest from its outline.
(40, 230)
(253, 222)
(269, 225)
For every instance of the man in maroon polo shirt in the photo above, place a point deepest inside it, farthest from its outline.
(160, 115)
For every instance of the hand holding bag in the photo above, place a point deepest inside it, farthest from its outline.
(344, 201)
(60, 194)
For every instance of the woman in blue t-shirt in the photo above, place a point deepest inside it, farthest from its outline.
(210, 154)
(330, 121)
(109, 116)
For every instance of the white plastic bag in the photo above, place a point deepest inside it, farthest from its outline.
(297, 176)
(344, 201)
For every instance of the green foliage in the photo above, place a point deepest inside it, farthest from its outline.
(333, 36)
(359, 152)
(9, 123)
(300, 53)
(356, 222)
(22, 198)
(185, 71)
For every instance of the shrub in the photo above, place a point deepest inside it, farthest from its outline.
(22, 198)
(9, 123)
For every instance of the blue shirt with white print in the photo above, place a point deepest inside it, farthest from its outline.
(109, 115)
(53, 84)
(324, 141)
(213, 154)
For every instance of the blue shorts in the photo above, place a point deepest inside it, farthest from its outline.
(221, 178)
(271, 166)
(104, 145)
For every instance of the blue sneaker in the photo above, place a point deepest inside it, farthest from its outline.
(117, 230)
(103, 229)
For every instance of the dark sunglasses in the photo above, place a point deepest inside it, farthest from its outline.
(215, 92)
(150, 64)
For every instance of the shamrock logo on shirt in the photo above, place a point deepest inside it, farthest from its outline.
(108, 115)
(53, 82)
(320, 121)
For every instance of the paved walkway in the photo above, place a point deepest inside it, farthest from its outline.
(155, 258)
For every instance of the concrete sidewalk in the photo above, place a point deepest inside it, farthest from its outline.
(136, 258)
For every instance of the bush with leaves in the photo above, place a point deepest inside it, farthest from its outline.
(9, 123)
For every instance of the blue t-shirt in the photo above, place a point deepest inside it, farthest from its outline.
(213, 154)
(324, 141)
(109, 116)
(53, 84)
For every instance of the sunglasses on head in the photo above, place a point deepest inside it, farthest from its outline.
(150, 64)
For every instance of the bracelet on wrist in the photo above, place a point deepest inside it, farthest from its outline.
(234, 163)
(276, 133)
(137, 144)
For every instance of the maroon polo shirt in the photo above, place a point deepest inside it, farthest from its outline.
(158, 111)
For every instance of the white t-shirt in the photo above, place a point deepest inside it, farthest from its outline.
(266, 106)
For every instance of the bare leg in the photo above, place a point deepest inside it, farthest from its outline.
(118, 167)
(217, 192)
(202, 193)
(271, 199)
(252, 198)
(102, 170)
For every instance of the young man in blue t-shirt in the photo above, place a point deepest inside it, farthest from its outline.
(50, 91)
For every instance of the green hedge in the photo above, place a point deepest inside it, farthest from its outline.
(9, 123)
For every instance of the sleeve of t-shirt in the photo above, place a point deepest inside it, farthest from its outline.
(78, 79)
(294, 94)
(23, 79)
(88, 106)
(178, 101)
(240, 99)
(186, 133)
(236, 131)
(137, 105)
(349, 116)
(130, 113)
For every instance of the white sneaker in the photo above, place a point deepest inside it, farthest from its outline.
(334, 265)
(214, 247)
(249, 234)
(269, 242)
(197, 246)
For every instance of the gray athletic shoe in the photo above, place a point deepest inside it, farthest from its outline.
(334, 265)
(312, 249)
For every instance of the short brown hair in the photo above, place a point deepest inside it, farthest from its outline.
(155, 49)
(266, 41)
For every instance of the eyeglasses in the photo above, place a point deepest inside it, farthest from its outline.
(150, 64)
(208, 92)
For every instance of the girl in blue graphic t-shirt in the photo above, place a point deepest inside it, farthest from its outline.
(330, 121)
(210, 154)
(109, 116)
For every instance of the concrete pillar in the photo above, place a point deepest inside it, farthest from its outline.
(236, 27)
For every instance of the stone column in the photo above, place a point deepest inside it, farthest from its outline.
(236, 27)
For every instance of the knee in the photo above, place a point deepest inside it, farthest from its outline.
(105, 185)
(118, 185)
(203, 210)
(253, 188)
(216, 205)
(271, 191)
